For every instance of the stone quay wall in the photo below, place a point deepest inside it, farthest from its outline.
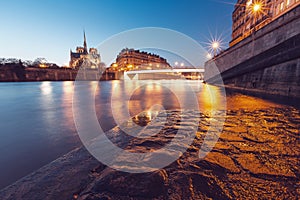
(21, 74)
(268, 61)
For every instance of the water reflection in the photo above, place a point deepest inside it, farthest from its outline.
(46, 88)
(137, 96)
(67, 96)
(149, 95)
(47, 103)
(68, 88)
(211, 98)
(46, 130)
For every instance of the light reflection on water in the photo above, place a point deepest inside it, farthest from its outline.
(46, 88)
(36, 119)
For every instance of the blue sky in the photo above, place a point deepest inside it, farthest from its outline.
(50, 28)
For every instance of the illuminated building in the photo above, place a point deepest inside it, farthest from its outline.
(84, 58)
(251, 15)
(131, 59)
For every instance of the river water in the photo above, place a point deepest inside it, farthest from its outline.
(37, 124)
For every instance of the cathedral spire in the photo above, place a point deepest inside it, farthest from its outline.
(84, 43)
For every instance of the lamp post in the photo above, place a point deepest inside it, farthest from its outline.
(209, 56)
(176, 64)
(256, 9)
(215, 46)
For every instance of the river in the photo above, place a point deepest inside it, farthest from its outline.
(37, 124)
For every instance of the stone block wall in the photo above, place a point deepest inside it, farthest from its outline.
(17, 74)
(267, 61)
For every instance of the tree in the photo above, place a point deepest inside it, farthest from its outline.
(39, 61)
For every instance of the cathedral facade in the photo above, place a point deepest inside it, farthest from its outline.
(83, 58)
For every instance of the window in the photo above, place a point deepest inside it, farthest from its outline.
(281, 6)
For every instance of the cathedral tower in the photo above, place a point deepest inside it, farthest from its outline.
(84, 58)
(84, 44)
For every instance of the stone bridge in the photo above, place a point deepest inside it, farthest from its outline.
(193, 74)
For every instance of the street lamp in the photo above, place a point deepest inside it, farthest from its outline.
(256, 7)
(256, 10)
(209, 56)
(215, 46)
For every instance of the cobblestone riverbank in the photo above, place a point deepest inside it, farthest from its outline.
(256, 157)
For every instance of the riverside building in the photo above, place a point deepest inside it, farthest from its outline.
(251, 15)
(131, 59)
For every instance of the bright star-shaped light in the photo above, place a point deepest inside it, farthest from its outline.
(215, 45)
(256, 7)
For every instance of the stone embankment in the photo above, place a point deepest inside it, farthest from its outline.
(21, 74)
(266, 62)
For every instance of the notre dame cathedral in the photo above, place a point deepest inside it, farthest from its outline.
(83, 58)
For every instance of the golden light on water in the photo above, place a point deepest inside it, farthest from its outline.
(210, 99)
(149, 115)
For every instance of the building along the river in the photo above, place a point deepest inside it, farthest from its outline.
(131, 59)
(265, 60)
(251, 15)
